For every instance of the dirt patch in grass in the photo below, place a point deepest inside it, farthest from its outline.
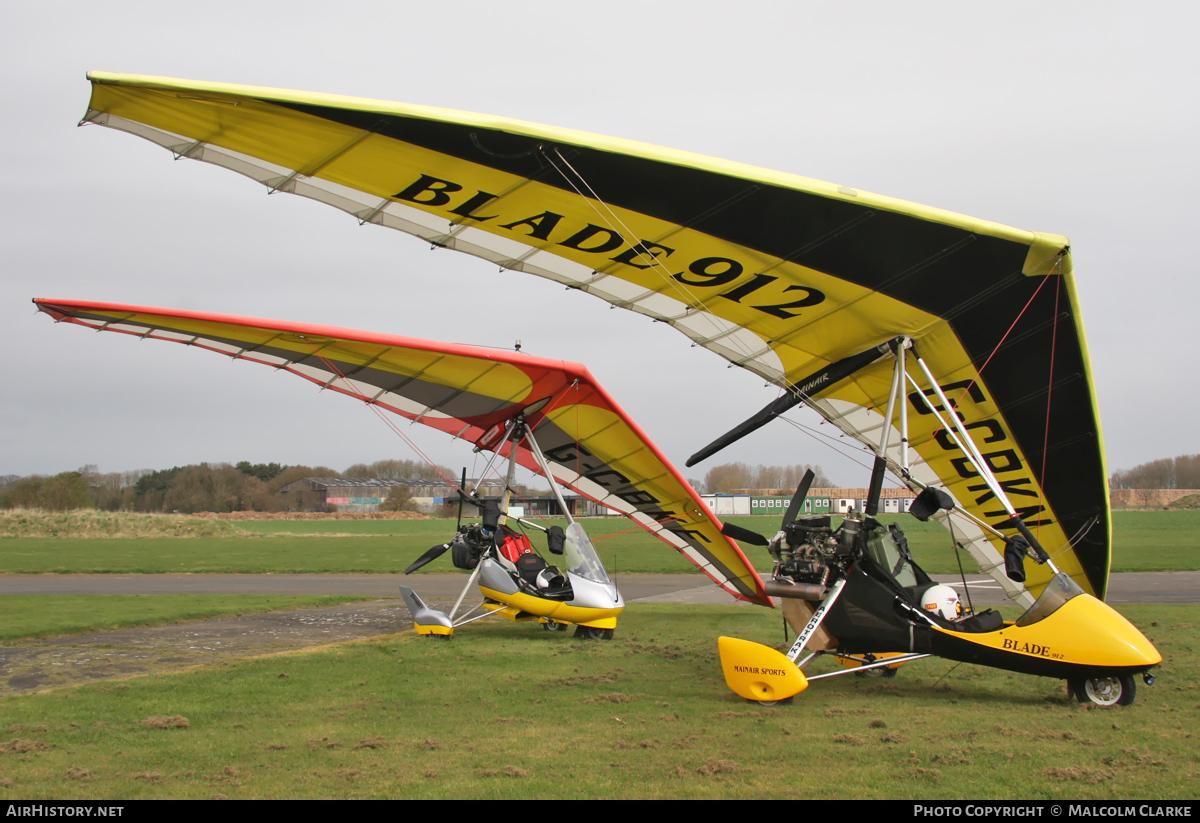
(38, 666)
(166, 721)
(716, 766)
(615, 697)
(18, 746)
(1078, 774)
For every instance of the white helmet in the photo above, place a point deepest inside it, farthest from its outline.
(550, 577)
(943, 600)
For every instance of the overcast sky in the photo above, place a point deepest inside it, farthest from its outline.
(1069, 118)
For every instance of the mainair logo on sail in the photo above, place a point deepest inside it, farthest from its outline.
(702, 273)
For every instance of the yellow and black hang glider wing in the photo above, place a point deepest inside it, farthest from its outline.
(589, 442)
(780, 274)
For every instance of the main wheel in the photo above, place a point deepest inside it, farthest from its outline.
(787, 701)
(882, 671)
(593, 633)
(553, 626)
(1105, 691)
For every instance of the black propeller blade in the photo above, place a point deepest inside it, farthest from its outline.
(745, 535)
(797, 393)
(429, 556)
(798, 498)
(462, 496)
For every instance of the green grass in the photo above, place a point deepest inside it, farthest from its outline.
(284, 554)
(1143, 541)
(623, 549)
(30, 616)
(506, 711)
(1156, 541)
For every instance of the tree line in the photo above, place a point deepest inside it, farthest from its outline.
(203, 487)
(729, 476)
(1182, 472)
(245, 486)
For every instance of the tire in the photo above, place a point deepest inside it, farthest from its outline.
(787, 701)
(1105, 691)
(553, 626)
(592, 633)
(882, 671)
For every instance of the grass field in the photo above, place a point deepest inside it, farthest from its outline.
(1143, 541)
(26, 617)
(507, 711)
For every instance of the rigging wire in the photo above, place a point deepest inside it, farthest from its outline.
(949, 672)
(692, 301)
(1049, 393)
(353, 391)
(979, 371)
(958, 556)
(834, 444)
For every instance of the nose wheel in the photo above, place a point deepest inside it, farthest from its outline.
(1105, 691)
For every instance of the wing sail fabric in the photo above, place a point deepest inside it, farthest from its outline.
(590, 443)
(777, 273)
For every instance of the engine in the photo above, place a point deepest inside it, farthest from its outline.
(469, 546)
(809, 551)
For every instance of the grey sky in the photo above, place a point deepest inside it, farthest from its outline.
(1070, 118)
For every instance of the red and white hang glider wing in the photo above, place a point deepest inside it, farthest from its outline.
(590, 443)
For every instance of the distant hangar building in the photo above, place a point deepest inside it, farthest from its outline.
(366, 494)
(818, 501)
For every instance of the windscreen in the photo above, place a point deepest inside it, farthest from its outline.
(884, 551)
(1060, 589)
(581, 557)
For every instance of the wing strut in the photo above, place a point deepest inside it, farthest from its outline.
(963, 440)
